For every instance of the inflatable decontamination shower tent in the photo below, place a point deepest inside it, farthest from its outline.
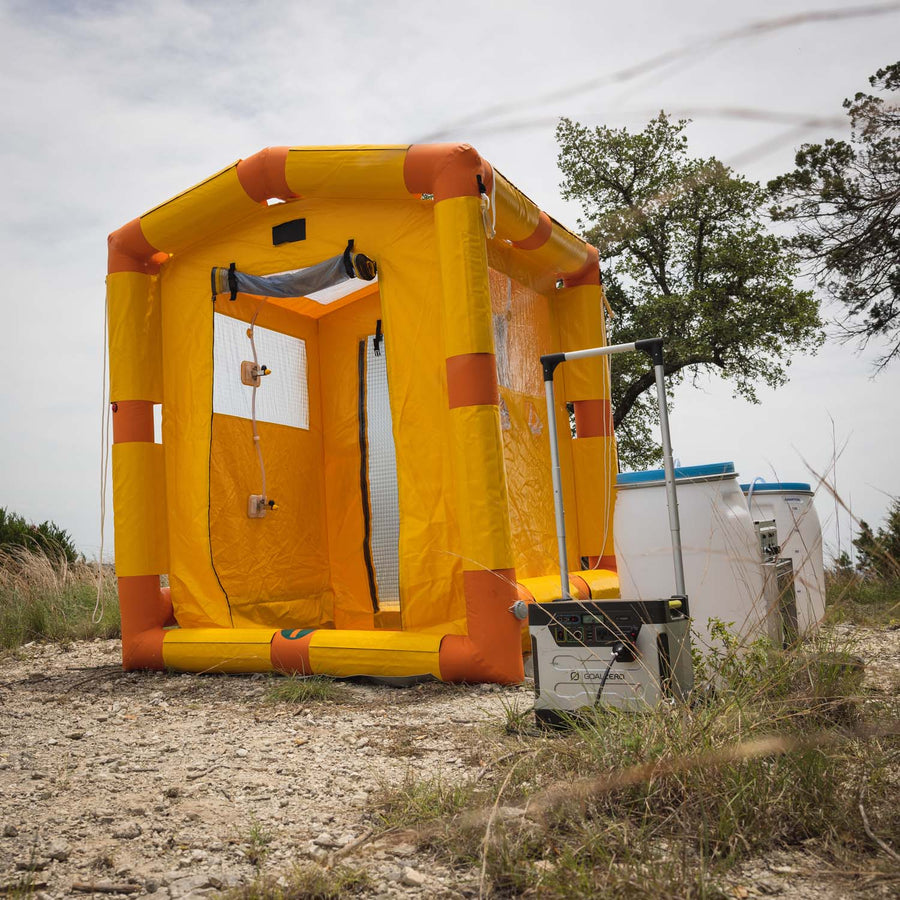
(352, 474)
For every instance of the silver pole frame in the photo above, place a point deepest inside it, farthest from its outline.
(671, 493)
(557, 493)
(653, 347)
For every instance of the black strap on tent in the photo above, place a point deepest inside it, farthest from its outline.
(232, 282)
(348, 260)
(379, 337)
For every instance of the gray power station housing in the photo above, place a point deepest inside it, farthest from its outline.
(573, 643)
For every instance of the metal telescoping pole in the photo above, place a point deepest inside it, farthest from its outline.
(653, 348)
(671, 495)
(557, 486)
(550, 362)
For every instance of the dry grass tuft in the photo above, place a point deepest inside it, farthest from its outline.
(44, 598)
(306, 689)
(852, 597)
(777, 752)
(309, 881)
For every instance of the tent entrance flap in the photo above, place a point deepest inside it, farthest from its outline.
(378, 476)
(304, 282)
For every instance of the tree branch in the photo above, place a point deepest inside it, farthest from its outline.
(648, 379)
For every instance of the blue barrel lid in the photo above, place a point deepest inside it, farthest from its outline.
(763, 486)
(722, 468)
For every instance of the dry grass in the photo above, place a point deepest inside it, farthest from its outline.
(309, 689)
(44, 598)
(309, 881)
(782, 751)
(851, 597)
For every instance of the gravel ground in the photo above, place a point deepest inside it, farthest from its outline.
(175, 784)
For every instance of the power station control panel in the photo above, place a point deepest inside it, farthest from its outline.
(597, 630)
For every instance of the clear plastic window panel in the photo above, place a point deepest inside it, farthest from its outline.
(384, 505)
(282, 397)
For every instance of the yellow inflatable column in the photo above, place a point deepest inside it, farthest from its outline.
(582, 325)
(491, 651)
(135, 382)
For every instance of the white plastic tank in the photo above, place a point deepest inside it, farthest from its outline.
(722, 562)
(790, 504)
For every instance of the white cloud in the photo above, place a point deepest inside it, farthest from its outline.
(110, 108)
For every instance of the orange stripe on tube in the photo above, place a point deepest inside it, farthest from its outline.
(472, 380)
(589, 273)
(539, 236)
(132, 421)
(593, 418)
(263, 176)
(444, 170)
(492, 650)
(603, 562)
(130, 251)
(166, 595)
(581, 586)
(291, 655)
(144, 611)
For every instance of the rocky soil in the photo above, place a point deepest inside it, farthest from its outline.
(182, 785)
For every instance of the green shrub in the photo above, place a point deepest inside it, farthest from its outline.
(879, 552)
(861, 599)
(47, 538)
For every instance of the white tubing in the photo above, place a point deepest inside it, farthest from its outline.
(262, 465)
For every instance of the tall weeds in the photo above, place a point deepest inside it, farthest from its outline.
(861, 599)
(777, 750)
(46, 597)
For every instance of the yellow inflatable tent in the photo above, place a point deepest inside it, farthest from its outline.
(352, 475)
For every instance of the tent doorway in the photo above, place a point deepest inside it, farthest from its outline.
(378, 476)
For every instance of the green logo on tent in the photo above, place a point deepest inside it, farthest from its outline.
(294, 634)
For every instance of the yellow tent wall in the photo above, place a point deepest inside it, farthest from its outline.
(288, 592)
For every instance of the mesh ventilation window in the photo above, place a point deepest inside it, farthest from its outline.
(521, 334)
(384, 538)
(282, 397)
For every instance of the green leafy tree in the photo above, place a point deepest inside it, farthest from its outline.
(843, 565)
(685, 256)
(879, 552)
(844, 199)
(47, 538)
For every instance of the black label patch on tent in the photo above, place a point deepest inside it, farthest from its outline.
(288, 232)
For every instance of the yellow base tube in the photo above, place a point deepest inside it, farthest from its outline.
(340, 653)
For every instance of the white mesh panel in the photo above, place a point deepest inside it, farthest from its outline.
(383, 499)
(282, 397)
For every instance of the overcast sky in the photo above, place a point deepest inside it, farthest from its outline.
(112, 107)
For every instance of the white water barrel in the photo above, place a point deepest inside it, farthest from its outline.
(722, 562)
(790, 504)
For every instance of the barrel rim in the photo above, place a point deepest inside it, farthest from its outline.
(683, 475)
(778, 487)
